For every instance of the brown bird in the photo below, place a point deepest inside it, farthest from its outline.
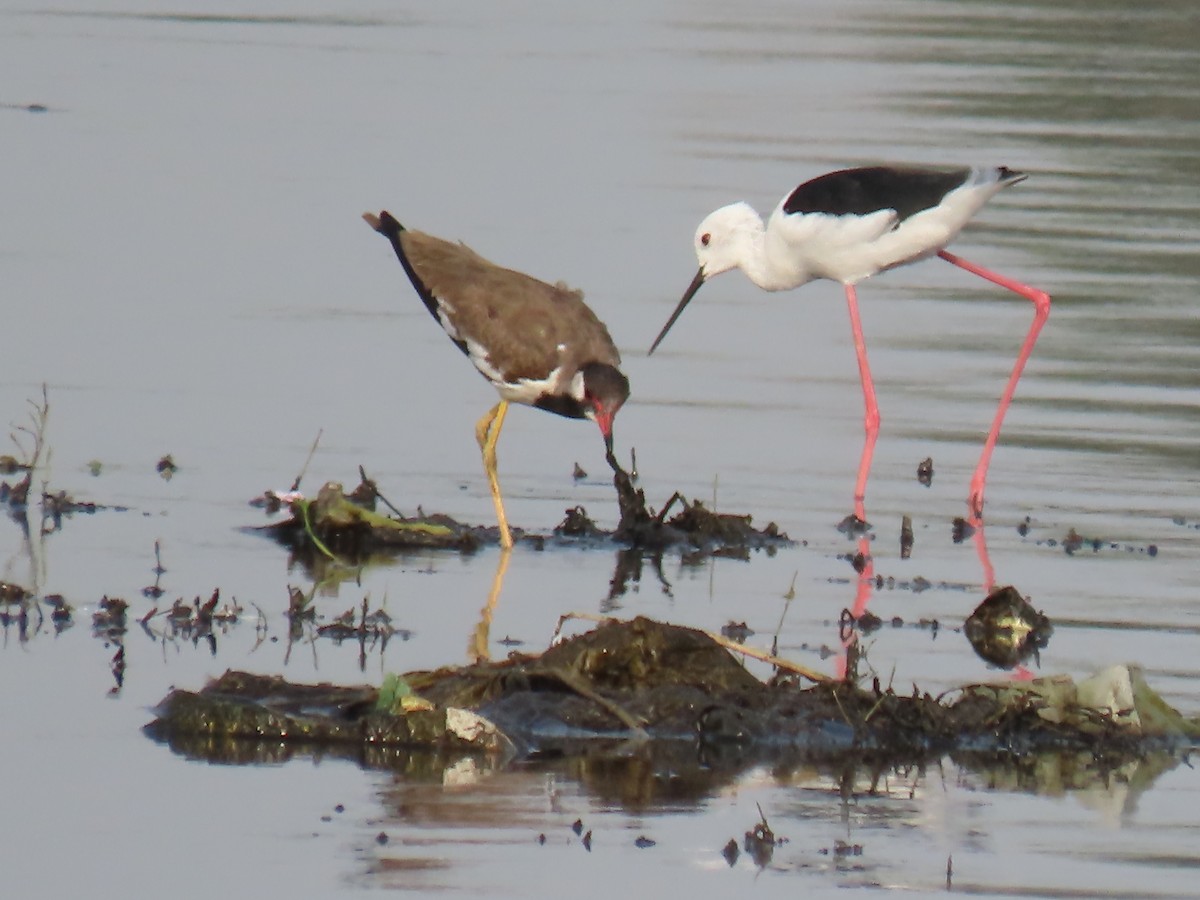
(537, 343)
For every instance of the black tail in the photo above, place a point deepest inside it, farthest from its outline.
(386, 224)
(1004, 173)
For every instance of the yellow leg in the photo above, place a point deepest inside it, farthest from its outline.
(487, 432)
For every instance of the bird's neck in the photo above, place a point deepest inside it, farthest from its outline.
(769, 262)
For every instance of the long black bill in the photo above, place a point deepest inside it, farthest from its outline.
(687, 296)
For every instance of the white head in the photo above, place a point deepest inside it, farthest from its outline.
(726, 237)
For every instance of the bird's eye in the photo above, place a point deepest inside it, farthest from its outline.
(705, 238)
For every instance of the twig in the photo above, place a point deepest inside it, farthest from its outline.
(788, 597)
(311, 453)
(580, 687)
(842, 710)
(874, 709)
(582, 616)
(662, 514)
(362, 473)
(777, 661)
(38, 416)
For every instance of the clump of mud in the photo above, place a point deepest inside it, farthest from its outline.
(348, 524)
(661, 682)
(693, 526)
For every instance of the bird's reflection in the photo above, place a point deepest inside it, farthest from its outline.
(858, 528)
(630, 562)
(985, 561)
(627, 575)
(477, 644)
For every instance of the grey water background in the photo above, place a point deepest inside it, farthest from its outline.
(182, 263)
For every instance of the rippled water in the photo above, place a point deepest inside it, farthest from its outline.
(184, 266)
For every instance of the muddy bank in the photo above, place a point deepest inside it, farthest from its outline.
(677, 696)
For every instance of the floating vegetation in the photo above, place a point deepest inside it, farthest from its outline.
(345, 526)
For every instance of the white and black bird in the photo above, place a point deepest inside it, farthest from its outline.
(538, 344)
(849, 225)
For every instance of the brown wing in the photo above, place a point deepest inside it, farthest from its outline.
(521, 321)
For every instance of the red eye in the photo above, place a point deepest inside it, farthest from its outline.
(705, 238)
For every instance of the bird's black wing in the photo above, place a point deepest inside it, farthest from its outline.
(907, 190)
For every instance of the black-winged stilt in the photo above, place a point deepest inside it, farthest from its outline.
(538, 344)
(848, 225)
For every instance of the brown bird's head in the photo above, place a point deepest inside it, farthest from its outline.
(605, 390)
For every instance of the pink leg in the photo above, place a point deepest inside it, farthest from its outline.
(1041, 303)
(871, 420)
(985, 560)
(866, 578)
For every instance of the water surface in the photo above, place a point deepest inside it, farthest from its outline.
(185, 268)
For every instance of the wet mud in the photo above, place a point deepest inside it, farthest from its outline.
(351, 525)
(678, 696)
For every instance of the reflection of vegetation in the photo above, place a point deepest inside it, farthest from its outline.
(196, 621)
(26, 614)
(32, 456)
(370, 630)
(30, 443)
(23, 608)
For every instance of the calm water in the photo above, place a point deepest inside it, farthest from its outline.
(184, 266)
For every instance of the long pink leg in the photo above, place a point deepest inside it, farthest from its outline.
(1041, 304)
(871, 420)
